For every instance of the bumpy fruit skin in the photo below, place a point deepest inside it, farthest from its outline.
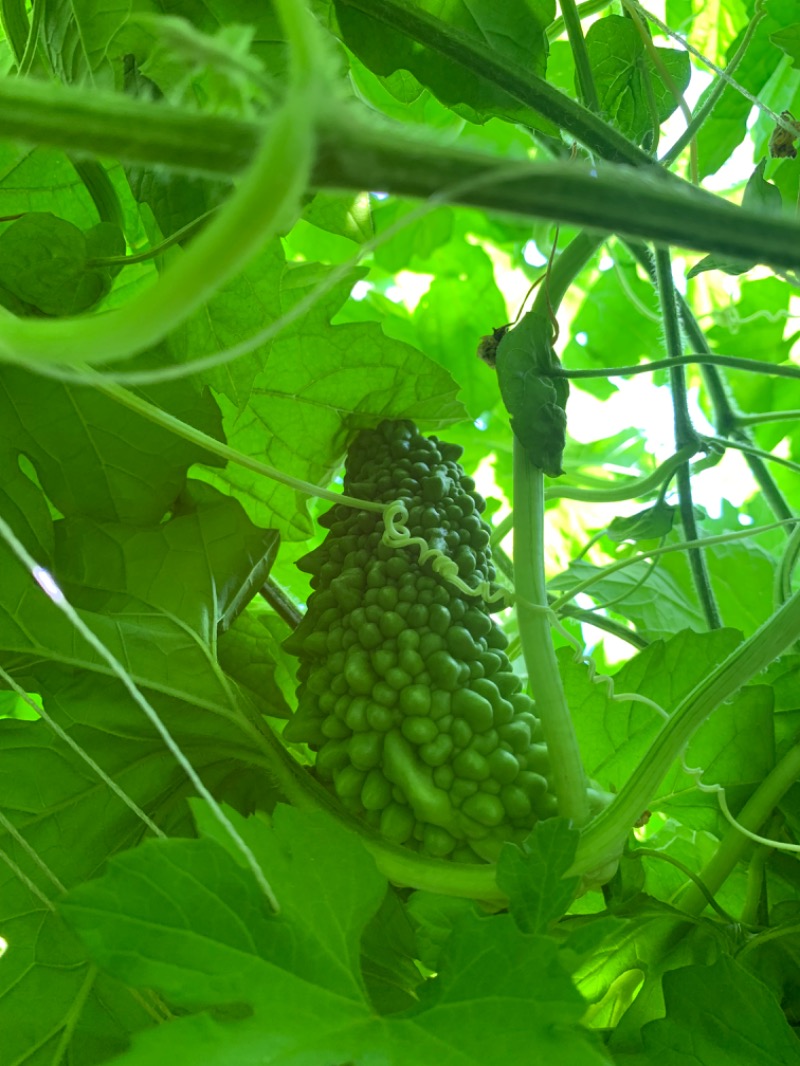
(418, 721)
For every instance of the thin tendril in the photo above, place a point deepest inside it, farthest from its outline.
(397, 535)
(653, 853)
(737, 86)
(706, 542)
(602, 679)
(12, 830)
(719, 790)
(6, 858)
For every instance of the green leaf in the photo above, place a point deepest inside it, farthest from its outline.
(414, 240)
(515, 31)
(773, 956)
(649, 524)
(76, 35)
(251, 652)
(201, 567)
(452, 316)
(95, 458)
(718, 1015)
(44, 265)
(345, 216)
(220, 946)
(71, 820)
(296, 401)
(622, 68)
(727, 125)
(434, 918)
(788, 40)
(533, 876)
(388, 957)
(734, 748)
(614, 734)
(760, 195)
(648, 596)
(535, 400)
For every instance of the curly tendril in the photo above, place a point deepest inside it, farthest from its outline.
(397, 535)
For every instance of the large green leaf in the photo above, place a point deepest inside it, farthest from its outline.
(95, 458)
(296, 401)
(70, 819)
(201, 567)
(220, 945)
(718, 1015)
(515, 30)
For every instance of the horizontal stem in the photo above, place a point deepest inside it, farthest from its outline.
(631, 490)
(762, 417)
(604, 199)
(655, 553)
(354, 156)
(116, 125)
(734, 362)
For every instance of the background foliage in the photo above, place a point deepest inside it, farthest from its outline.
(136, 931)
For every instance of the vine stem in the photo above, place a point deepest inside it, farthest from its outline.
(352, 155)
(756, 885)
(577, 42)
(588, 7)
(762, 417)
(734, 362)
(725, 414)
(684, 434)
(752, 816)
(518, 81)
(632, 490)
(566, 774)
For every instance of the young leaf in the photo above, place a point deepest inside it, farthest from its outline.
(650, 524)
(45, 268)
(622, 68)
(533, 876)
(535, 400)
